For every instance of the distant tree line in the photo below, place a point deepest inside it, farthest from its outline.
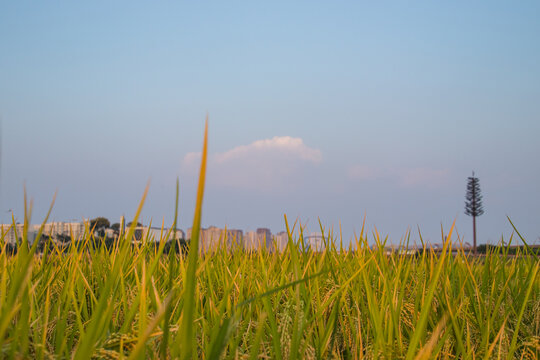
(45, 243)
(98, 227)
(503, 249)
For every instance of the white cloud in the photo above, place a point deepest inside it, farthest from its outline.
(191, 159)
(279, 144)
(266, 163)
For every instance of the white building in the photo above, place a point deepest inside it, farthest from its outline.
(280, 241)
(10, 233)
(250, 241)
(257, 240)
(75, 230)
(213, 237)
(315, 241)
(156, 234)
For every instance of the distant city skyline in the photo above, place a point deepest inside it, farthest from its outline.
(337, 111)
(209, 238)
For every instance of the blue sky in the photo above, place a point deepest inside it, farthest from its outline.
(317, 109)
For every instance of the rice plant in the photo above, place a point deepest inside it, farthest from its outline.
(134, 301)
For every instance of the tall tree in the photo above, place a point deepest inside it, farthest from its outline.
(473, 203)
(116, 228)
(99, 225)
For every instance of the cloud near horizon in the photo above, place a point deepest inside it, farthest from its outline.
(264, 164)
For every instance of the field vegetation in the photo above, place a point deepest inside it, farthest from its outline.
(133, 301)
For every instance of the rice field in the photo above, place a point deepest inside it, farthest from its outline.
(136, 302)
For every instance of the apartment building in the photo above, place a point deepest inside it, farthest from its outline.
(315, 241)
(250, 241)
(257, 240)
(10, 233)
(264, 237)
(156, 234)
(213, 237)
(75, 230)
(280, 241)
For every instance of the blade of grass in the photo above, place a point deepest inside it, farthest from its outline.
(426, 307)
(187, 334)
